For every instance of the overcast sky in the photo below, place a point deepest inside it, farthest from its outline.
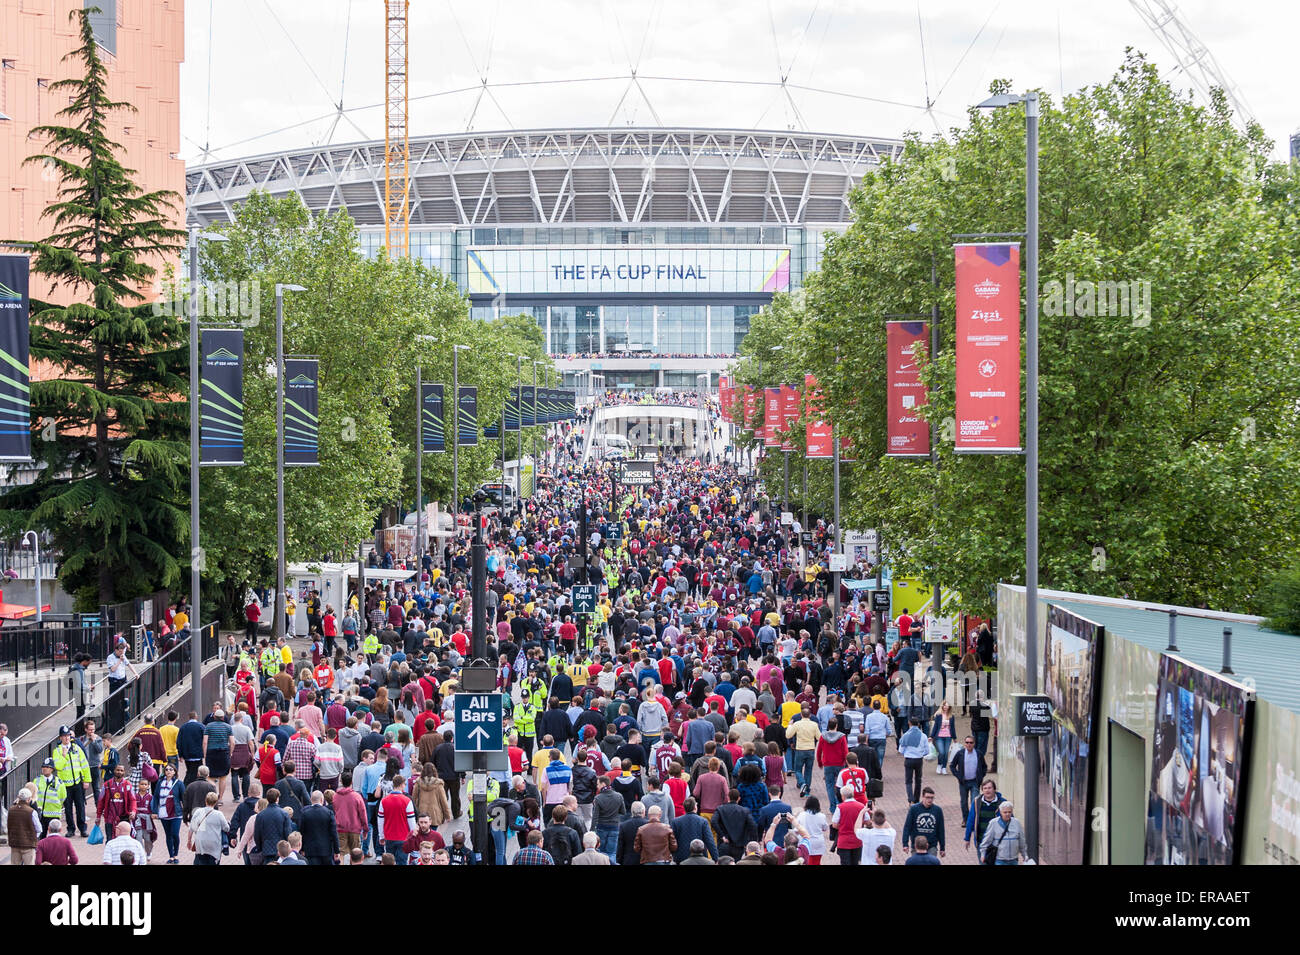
(265, 75)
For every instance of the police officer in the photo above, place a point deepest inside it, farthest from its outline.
(50, 795)
(73, 770)
(269, 661)
(498, 838)
(370, 647)
(525, 717)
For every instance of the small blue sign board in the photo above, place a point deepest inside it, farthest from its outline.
(479, 722)
(584, 598)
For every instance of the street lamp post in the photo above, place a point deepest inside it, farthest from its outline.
(536, 469)
(36, 546)
(519, 434)
(1030, 100)
(280, 628)
(196, 560)
(455, 435)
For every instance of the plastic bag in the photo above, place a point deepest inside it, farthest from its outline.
(934, 752)
(96, 835)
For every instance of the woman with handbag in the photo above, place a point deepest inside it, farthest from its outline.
(207, 832)
(1004, 840)
(168, 807)
(941, 732)
(144, 827)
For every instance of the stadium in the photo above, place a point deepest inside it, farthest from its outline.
(641, 253)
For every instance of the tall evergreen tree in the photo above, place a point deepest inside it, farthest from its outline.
(111, 486)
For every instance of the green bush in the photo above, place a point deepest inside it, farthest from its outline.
(1282, 601)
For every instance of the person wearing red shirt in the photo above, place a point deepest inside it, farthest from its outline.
(847, 844)
(252, 614)
(855, 776)
(904, 623)
(568, 634)
(678, 789)
(244, 694)
(460, 641)
(397, 820)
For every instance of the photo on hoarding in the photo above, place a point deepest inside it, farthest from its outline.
(1070, 660)
(1196, 769)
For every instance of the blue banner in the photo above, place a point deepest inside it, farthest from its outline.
(15, 344)
(301, 412)
(221, 394)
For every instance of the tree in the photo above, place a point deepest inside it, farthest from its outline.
(370, 322)
(1169, 461)
(110, 485)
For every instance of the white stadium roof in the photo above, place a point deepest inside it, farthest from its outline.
(616, 176)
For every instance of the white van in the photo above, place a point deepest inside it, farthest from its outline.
(614, 447)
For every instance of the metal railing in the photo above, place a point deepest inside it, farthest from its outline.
(53, 645)
(139, 695)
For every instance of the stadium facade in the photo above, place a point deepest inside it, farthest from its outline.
(641, 253)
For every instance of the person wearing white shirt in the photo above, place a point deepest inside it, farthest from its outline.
(114, 847)
(878, 833)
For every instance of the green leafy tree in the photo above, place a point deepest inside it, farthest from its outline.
(1169, 460)
(110, 485)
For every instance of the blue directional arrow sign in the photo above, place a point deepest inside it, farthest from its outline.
(584, 598)
(478, 722)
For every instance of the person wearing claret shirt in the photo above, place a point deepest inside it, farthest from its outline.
(396, 820)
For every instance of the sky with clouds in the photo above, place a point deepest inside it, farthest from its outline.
(266, 75)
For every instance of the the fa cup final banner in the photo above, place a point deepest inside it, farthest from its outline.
(988, 348)
(15, 378)
(221, 397)
(433, 431)
(301, 411)
(529, 406)
(909, 436)
(771, 415)
(789, 415)
(467, 415)
(510, 416)
(751, 407)
(817, 433)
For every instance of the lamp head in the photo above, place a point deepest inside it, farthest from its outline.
(999, 100)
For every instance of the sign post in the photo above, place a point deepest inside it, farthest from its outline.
(1033, 714)
(479, 722)
(584, 598)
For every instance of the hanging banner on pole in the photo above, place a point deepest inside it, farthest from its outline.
(467, 416)
(751, 407)
(988, 348)
(771, 414)
(433, 432)
(301, 412)
(510, 416)
(817, 433)
(15, 352)
(789, 415)
(528, 406)
(492, 430)
(221, 397)
(909, 436)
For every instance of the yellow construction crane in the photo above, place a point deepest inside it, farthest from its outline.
(397, 148)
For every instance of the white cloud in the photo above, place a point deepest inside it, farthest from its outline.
(265, 95)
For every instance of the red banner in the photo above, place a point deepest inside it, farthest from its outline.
(988, 348)
(724, 398)
(789, 415)
(909, 436)
(817, 433)
(771, 414)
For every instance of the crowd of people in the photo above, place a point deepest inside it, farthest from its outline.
(687, 720)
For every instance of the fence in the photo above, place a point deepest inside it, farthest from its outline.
(138, 696)
(61, 636)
